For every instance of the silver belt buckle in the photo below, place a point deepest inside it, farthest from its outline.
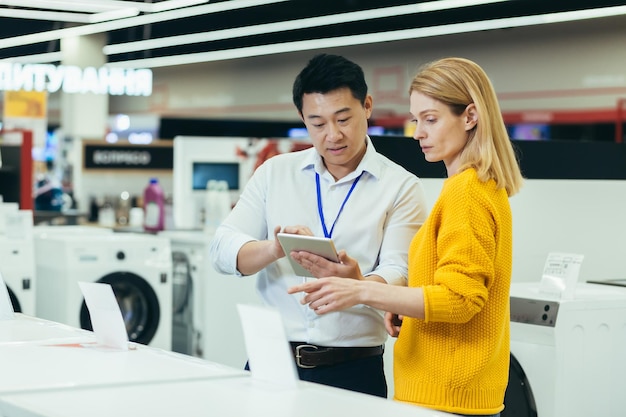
(299, 357)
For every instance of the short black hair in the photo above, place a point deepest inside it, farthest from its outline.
(326, 73)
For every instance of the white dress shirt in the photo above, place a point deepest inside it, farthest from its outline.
(381, 216)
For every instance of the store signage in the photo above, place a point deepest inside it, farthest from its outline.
(76, 80)
(128, 157)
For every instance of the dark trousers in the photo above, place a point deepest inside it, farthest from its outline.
(364, 375)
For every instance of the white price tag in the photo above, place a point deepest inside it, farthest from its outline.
(106, 316)
(560, 274)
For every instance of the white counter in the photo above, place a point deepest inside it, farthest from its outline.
(225, 397)
(53, 370)
(28, 329)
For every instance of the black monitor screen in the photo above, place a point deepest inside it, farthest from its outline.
(205, 171)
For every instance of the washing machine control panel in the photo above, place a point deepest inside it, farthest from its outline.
(531, 311)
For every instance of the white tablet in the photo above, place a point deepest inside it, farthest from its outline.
(321, 246)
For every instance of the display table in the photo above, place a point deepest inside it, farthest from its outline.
(54, 366)
(26, 329)
(53, 370)
(223, 397)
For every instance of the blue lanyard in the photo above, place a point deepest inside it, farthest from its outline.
(319, 203)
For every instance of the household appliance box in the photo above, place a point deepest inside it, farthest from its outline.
(17, 265)
(570, 352)
(198, 160)
(137, 266)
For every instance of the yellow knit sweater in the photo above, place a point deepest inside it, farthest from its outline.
(457, 358)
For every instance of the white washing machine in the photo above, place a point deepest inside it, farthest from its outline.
(44, 231)
(188, 266)
(206, 319)
(137, 266)
(568, 356)
(17, 265)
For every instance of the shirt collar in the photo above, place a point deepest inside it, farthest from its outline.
(369, 163)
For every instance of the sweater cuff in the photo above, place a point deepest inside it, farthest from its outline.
(436, 304)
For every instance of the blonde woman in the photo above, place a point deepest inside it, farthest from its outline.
(452, 353)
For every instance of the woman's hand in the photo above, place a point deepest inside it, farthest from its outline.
(393, 322)
(330, 294)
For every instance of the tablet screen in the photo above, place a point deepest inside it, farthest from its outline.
(321, 246)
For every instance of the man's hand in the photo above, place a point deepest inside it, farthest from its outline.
(321, 267)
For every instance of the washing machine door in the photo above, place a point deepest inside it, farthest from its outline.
(518, 400)
(182, 282)
(138, 303)
(16, 303)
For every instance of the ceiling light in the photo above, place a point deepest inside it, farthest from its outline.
(36, 58)
(173, 4)
(113, 15)
(370, 38)
(45, 15)
(69, 17)
(68, 5)
(290, 25)
(96, 6)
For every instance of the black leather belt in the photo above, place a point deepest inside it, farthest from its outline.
(311, 356)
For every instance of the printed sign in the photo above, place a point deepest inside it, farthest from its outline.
(139, 157)
(75, 80)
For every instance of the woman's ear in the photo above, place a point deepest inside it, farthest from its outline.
(471, 116)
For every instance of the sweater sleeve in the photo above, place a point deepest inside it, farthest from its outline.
(466, 247)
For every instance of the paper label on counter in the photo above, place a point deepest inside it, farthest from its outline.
(268, 349)
(106, 317)
(560, 274)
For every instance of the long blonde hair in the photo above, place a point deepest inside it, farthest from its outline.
(458, 82)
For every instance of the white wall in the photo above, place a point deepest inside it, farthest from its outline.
(585, 217)
(574, 216)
